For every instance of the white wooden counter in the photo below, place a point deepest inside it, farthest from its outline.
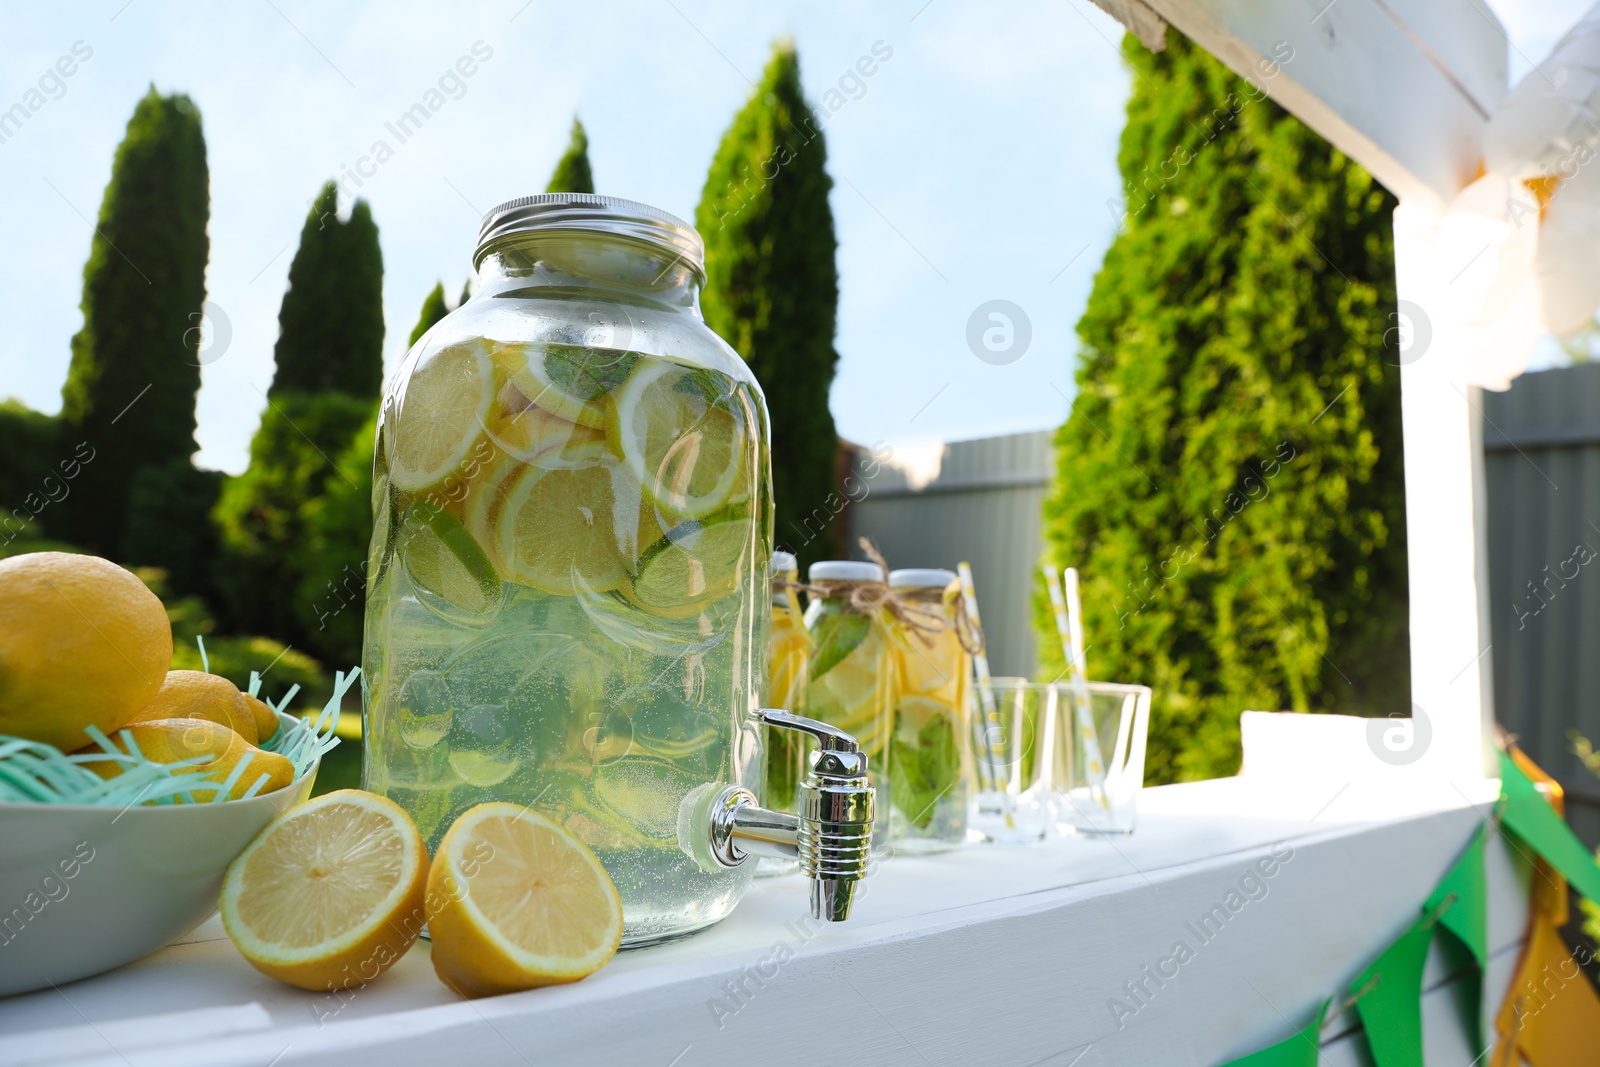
(990, 955)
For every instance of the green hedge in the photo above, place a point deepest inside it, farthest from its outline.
(1229, 481)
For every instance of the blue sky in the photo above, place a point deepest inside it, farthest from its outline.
(974, 165)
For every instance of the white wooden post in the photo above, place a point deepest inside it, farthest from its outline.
(1446, 512)
(1406, 88)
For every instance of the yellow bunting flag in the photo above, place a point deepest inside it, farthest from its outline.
(1551, 1013)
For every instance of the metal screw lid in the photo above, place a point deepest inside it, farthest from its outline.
(845, 570)
(588, 213)
(920, 578)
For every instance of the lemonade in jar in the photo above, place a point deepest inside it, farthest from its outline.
(788, 657)
(850, 681)
(930, 746)
(568, 597)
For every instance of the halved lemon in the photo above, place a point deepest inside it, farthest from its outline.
(515, 902)
(330, 895)
(557, 526)
(683, 433)
(570, 381)
(441, 414)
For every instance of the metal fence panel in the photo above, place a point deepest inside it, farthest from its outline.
(983, 507)
(1541, 442)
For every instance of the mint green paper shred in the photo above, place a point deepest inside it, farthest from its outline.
(32, 772)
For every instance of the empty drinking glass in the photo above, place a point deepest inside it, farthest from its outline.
(1100, 742)
(1014, 755)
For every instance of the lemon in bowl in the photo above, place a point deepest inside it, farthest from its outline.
(92, 887)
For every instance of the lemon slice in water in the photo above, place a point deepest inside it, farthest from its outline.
(684, 436)
(557, 525)
(440, 415)
(529, 432)
(569, 381)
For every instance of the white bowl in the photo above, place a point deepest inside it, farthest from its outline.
(85, 888)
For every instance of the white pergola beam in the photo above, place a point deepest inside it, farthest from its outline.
(1404, 86)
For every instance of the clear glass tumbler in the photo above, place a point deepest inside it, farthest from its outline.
(1117, 719)
(1014, 763)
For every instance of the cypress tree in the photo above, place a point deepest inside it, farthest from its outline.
(263, 516)
(572, 173)
(433, 309)
(1229, 480)
(772, 289)
(330, 370)
(331, 605)
(130, 389)
(330, 325)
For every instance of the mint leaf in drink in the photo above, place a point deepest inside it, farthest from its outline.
(587, 373)
(925, 770)
(836, 636)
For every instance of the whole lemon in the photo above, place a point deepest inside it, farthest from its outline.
(171, 740)
(198, 695)
(266, 718)
(82, 642)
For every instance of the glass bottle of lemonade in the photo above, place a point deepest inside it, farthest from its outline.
(850, 682)
(568, 599)
(930, 749)
(788, 657)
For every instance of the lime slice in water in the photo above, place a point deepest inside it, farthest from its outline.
(443, 559)
(440, 415)
(693, 565)
(569, 381)
(683, 434)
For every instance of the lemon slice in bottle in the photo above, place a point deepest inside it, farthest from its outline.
(445, 560)
(441, 414)
(569, 381)
(329, 895)
(516, 902)
(557, 525)
(683, 436)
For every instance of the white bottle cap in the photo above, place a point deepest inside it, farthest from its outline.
(783, 562)
(920, 578)
(845, 570)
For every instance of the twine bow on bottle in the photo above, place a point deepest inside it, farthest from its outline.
(923, 620)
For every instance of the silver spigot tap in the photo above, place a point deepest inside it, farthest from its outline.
(723, 825)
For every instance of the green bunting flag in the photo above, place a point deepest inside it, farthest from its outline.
(1388, 994)
(1467, 917)
(1526, 813)
(1391, 1009)
(1467, 920)
(1297, 1050)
